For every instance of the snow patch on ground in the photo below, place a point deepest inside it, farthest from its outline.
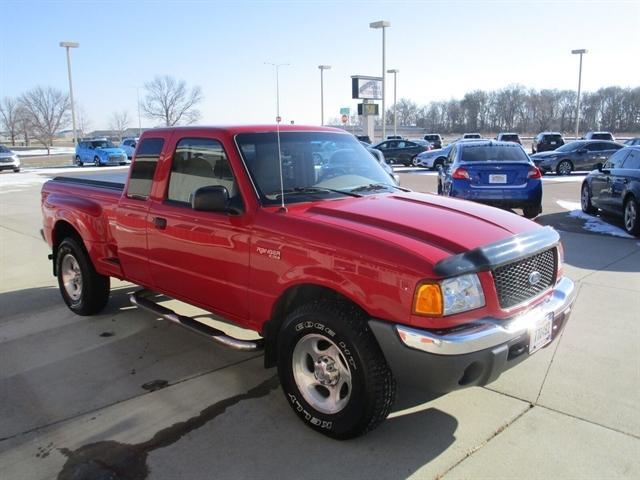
(592, 224)
(38, 152)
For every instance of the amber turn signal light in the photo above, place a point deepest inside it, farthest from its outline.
(428, 300)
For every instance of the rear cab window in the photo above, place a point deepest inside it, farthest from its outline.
(144, 168)
(197, 163)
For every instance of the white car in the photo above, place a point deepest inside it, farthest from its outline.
(9, 160)
(434, 159)
(129, 146)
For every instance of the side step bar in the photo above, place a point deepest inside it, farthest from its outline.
(140, 299)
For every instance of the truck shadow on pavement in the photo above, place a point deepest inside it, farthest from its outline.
(401, 446)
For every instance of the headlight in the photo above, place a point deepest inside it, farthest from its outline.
(449, 296)
(15, 159)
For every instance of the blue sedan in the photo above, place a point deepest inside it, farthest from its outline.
(494, 173)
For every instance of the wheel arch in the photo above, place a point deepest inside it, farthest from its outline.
(289, 300)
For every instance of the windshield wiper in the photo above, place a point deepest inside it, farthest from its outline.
(378, 186)
(312, 190)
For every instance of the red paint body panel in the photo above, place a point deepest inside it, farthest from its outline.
(373, 250)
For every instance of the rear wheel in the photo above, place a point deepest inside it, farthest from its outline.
(332, 370)
(532, 211)
(585, 200)
(631, 219)
(564, 167)
(96, 161)
(84, 290)
(437, 165)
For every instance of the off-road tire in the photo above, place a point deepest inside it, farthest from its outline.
(585, 200)
(94, 293)
(631, 215)
(372, 389)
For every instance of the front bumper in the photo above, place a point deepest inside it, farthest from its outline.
(476, 354)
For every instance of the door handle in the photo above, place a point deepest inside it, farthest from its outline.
(160, 223)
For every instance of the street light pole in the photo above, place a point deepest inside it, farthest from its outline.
(383, 25)
(395, 105)
(69, 45)
(580, 52)
(322, 69)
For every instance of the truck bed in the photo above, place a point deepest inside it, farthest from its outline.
(111, 180)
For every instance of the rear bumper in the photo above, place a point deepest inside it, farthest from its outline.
(530, 194)
(475, 355)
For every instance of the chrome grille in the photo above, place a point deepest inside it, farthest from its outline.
(513, 281)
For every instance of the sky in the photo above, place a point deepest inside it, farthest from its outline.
(442, 50)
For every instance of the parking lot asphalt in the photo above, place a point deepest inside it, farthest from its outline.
(121, 395)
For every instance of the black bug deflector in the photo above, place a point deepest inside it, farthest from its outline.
(499, 253)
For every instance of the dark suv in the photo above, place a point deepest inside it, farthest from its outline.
(509, 137)
(434, 139)
(599, 136)
(546, 141)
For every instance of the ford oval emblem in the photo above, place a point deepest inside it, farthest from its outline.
(535, 277)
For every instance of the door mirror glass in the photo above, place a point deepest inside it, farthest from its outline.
(213, 198)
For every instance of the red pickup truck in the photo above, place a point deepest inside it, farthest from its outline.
(352, 282)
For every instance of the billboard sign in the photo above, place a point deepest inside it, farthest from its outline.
(367, 88)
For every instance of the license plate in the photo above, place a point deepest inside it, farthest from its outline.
(540, 334)
(552, 143)
(497, 178)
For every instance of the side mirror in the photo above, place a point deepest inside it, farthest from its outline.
(214, 198)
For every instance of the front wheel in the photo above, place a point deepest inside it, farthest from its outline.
(79, 161)
(84, 290)
(332, 370)
(564, 168)
(585, 200)
(16, 170)
(631, 219)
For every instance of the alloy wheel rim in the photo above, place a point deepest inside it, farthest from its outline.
(564, 168)
(321, 373)
(71, 277)
(630, 214)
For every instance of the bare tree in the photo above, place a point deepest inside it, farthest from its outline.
(170, 101)
(9, 109)
(120, 123)
(46, 110)
(83, 121)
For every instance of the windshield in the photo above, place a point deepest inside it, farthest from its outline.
(102, 144)
(567, 147)
(491, 153)
(4, 149)
(346, 166)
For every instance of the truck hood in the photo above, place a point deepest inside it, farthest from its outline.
(449, 226)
